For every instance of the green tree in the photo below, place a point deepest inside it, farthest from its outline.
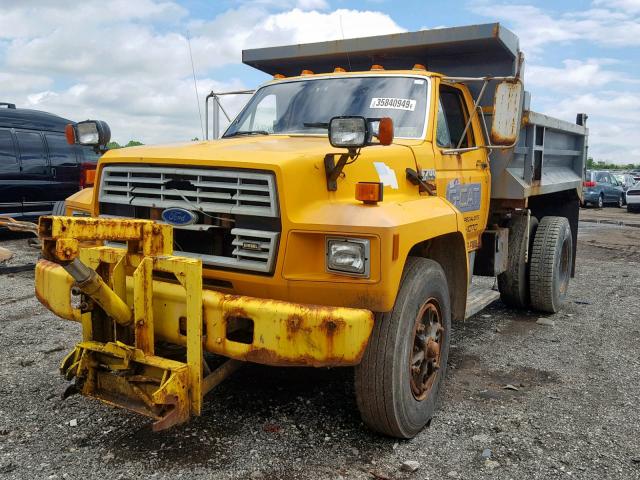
(131, 143)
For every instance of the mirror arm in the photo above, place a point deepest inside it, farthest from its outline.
(333, 169)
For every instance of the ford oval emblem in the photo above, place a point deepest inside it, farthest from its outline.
(179, 216)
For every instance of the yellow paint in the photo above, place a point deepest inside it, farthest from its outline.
(309, 212)
(81, 202)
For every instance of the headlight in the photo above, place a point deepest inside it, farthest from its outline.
(348, 132)
(348, 255)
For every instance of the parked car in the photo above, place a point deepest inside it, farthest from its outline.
(626, 181)
(636, 175)
(633, 198)
(38, 168)
(600, 188)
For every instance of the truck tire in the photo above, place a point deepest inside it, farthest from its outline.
(58, 209)
(551, 261)
(400, 378)
(514, 282)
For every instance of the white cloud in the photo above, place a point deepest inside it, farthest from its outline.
(128, 62)
(537, 27)
(575, 74)
(632, 6)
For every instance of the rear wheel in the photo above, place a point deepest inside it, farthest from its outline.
(621, 201)
(514, 282)
(551, 261)
(600, 201)
(400, 378)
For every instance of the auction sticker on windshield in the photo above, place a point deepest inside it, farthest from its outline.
(394, 103)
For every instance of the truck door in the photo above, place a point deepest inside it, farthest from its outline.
(34, 171)
(65, 167)
(462, 178)
(9, 175)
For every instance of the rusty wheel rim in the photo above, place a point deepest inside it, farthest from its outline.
(424, 357)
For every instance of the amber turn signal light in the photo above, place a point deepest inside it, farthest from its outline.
(385, 131)
(369, 192)
(70, 133)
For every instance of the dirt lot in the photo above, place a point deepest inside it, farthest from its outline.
(575, 412)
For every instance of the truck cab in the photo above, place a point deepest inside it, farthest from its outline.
(338, 221)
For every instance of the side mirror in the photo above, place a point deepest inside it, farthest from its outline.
(507, 112)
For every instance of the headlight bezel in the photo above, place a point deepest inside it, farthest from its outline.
(363, 244)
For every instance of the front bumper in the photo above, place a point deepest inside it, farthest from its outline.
(633, 199)
(280, 333)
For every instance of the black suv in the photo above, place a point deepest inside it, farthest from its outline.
(37, 166)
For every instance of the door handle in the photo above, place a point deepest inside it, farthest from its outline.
(481, 164)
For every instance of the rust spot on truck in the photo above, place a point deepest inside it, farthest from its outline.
(269, 357)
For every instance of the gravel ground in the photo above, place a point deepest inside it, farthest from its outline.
(573, 413)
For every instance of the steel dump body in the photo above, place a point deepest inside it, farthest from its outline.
(550, 154)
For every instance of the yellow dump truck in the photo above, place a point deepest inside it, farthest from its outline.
(338, 221)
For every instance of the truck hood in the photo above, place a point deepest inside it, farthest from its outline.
(267, 151)
(297, 162)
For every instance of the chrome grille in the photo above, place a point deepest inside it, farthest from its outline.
(258, 259)
(206, 190)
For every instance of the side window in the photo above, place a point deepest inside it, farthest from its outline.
(443, 138)
(455, 116)
(602, 177)
(32, 151)
(8, 159)
(60, 152)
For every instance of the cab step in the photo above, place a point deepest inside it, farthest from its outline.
(478, 298)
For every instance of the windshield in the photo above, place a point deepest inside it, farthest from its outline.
(302, 106)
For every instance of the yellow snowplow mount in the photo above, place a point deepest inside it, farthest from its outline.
(128, 316)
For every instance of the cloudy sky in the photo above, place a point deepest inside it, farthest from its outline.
(127, 61)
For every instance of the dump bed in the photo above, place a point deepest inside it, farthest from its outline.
(550, 153)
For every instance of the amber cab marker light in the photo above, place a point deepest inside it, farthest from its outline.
(278, 76)
(385, 131)
(369, 192)
(70, 133)
(375, 66)
(306, 72)
(339, 70)
(419, 66)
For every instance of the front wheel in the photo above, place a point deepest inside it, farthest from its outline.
(621, 201)
(400, 378)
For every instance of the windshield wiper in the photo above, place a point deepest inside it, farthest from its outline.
(316, 124)
(246, 132)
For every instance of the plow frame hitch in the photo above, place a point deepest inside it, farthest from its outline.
(116, 362)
